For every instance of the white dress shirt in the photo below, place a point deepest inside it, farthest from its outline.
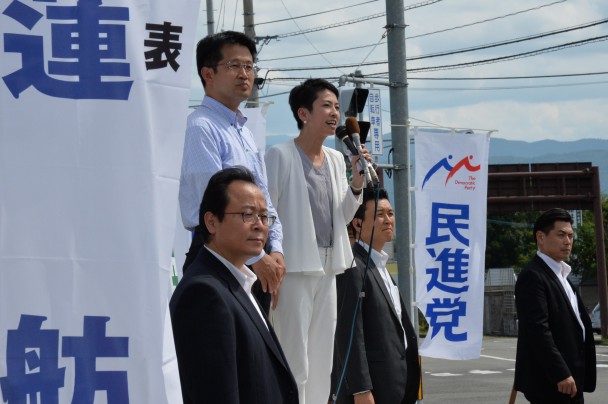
(380, 259)
(562, 270)
(245, 277)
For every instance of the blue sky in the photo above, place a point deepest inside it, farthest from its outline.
(559, 108)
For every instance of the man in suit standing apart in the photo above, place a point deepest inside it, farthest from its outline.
(383, 366)
(227, 351)
(555, 359)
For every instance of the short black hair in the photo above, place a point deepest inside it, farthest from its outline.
(215, 198)
(209, 49)
(305, 95)
(546, 221)
(369, 194)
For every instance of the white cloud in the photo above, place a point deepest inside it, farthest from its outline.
(549, 108)
(526, 121)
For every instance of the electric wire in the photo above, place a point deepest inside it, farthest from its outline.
(457, 65)
(474, 88)
(324, 53)
(378, 15)
(276, 81)
(488, 20)
(447, 29)
(318, 13)
(236, 7)
(357, 20)
(512, 57)
(334, 25)
(461, 50)
(308, 40)
(511, 41)
(508, 88)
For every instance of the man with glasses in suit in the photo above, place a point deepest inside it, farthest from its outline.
(227, 351)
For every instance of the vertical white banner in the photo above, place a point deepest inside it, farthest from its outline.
(374, 107)
(93, 104)
(451, 205)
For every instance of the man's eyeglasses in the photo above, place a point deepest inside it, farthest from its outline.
(253, 218)
(235, 67)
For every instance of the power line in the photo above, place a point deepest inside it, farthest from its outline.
(480, 89)
(511, 41)
(510, 77)
(236, 7)
(306, 37)
(512, 57)
(545, 76)
(321, 53)
(313, 14)
(356, 20)
(458, 65)
(488, 20)
(406, 8)
(463, 50)
(507, 87)
(334, 25)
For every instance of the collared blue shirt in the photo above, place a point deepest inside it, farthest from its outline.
(216, 138)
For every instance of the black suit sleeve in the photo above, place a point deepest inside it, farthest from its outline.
(357, 377)
(195, 330)
(531, 297)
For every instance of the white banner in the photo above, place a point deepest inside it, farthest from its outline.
(451, 201)
(93, 103)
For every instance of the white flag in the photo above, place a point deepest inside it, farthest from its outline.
(451, 200)
(93, 104)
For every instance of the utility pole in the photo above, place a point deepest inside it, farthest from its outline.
(250, 32)
(397, 74)
(210, 20)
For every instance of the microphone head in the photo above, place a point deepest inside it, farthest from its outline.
(341, 132)
(352, 125)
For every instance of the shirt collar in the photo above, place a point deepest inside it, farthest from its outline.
(224, 113)
(559, 268)
(244, 275)
(380, 258)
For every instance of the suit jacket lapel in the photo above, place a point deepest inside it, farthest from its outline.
(556, 282)
(375, 275)
(240, 295)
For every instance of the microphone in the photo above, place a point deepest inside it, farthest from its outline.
(352, 127)
(342, 134)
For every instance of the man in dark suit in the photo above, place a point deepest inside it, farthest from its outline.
(227, 351)
(383, 365)
(555, 359)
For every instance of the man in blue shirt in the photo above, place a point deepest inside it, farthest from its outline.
(216, 138)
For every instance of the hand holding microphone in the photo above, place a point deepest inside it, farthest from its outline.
(342, 134)
(352, 127)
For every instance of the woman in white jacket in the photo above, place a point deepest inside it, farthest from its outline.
(308, 187)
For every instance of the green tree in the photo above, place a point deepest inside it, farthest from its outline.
(583, 259)
(509, 242)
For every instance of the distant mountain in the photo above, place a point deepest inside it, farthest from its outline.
(594, 151)
(521, 149)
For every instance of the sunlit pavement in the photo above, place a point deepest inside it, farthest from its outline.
(489, 379)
